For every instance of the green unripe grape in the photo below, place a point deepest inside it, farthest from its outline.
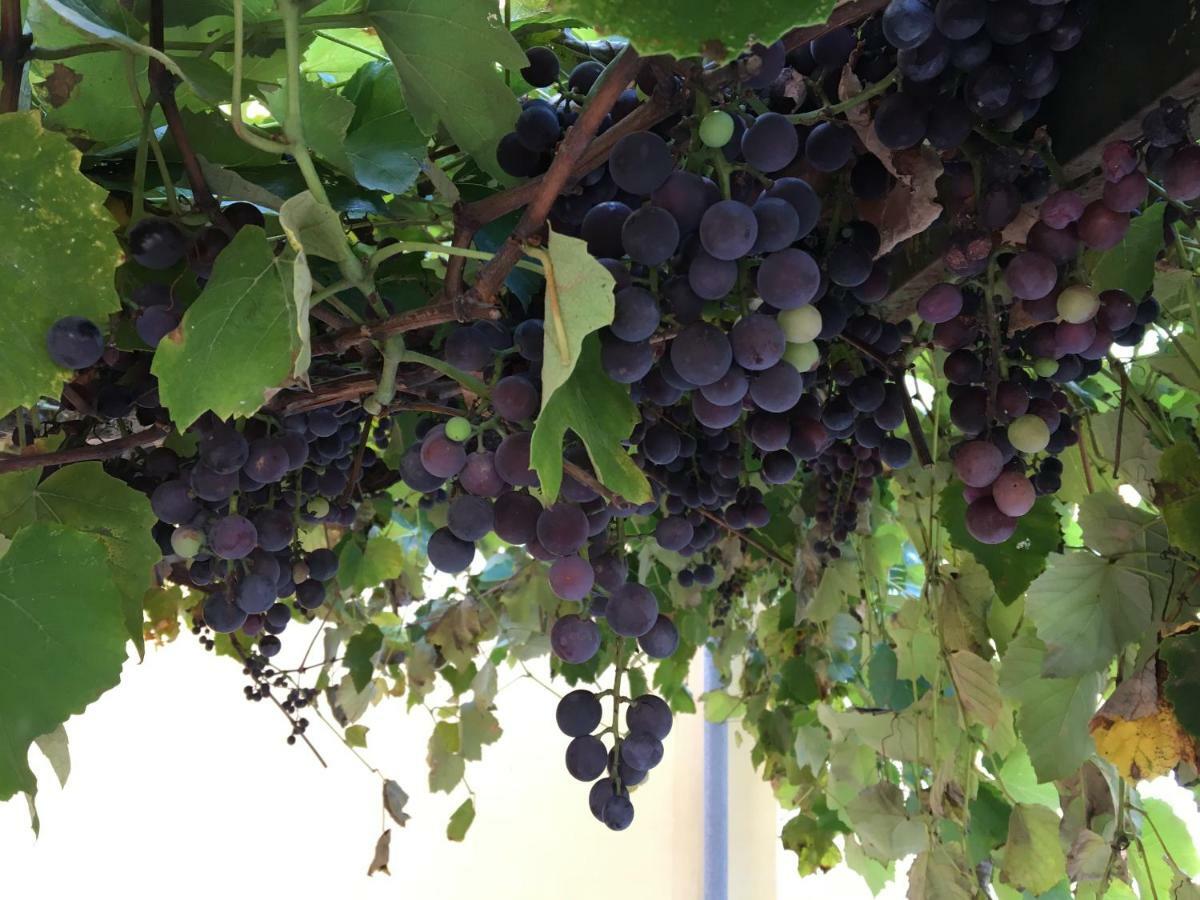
(187, 541)
(1029, 433)
(458, 429)
(716, 128)
(318, 507)
(803, 356)
(1078, 304)
(800, 325)
(300, 572)
(1045, 367)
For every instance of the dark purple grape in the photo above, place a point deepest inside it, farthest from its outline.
(767, 64)
(941, 303)
(969, 54)
(156, 243)
(543, 67)
(757, 341)
(949, 123)
(685, 196)
(778, 389)
(574, 640)
(1128, 194)
(470, 518)
(661, 444)
(222, 615)
(849, 265)
(650, 236)
(441, 456)
(625, 361)
(660, 641)
(771, 143)
(514, 398)
(788, 279)
(602, 229)
(232, 537)
(959, 19)
(1181, 175)
(586, 757)
(641, 751)
(701, 353)
(584, 75)
(448, 553)
(729, 389)
(517, 160)
(155, 323)
(989, 90)
(987, 524)
(640, 162)
(74, 342)
(172, 503)
(267, 461)
(901, 121)
(632, 610)
(907, 23)
(467, 348)
(578, 713)
(650, 715)
(804, 200)
(571, 577)
(728, 230)
(512, 460)
(926, 62)
(516, 517)
(778, 225)
(562, 529)
(636, 314)
(832, 49)
(711, 278)
(1100, 227)
(537, 128)
(829, 146)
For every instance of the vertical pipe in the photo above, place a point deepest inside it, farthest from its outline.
(716, 796)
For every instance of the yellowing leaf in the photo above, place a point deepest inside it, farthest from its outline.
(1033, 858)
(975, 681)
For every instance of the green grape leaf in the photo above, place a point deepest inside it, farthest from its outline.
(356, 735)
(600, 413)
(326, 118)
(1177, 493)
(585, 305)
(1111, 526)
(882, 824)
(1181, 653)
(87, 98)
(359, 651)
(479, 727)
(988, 823)
(1014, 564)
(941, 874)
(55, 748)
(691, 27)
(1129, 266)
(237, 342)
(87, 499)
(362, 568)
(62, 255)
(1033, 858)
(62, 640)
(1087, 609)
(213, 138)
(446, 766)
(1052, 713)
(975, 681)
(385, 147)
(1177, 359)
(446, 55)
(812, 843)
(460, 821)
(798, 682)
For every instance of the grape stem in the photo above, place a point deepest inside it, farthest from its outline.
(616, 715)
(1152, 421)
(162, 91)
(385, 253)
(553, 306)
(147, 141)
(11, 462)
(237, 648)
(825, 112)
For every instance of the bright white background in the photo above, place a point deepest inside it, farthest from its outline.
(181, 788)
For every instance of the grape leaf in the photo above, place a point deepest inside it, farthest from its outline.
(356, 735)
(237, 341)
(55, 748)
(326, 118)
(446, 766)
(585, 304)
(362, 568)
(1181, 653)
(446, 56)
(1177, 493)
(600, 413)
(1110, 525)
(394, 801)
(85, 498)
(691, 27)
(385, 147)
(1129, 266)
(359, 650)
(1052, 713)
(87, 97)
(1033, 858)
(882, 824)
(941, 874)
(61, 638)
(1087, 609)
(1014, 564)
(460, 820)
(975, 681)
(1168, 841)
(58, 262)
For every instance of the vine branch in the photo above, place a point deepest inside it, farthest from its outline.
(14, 45)
(11, 462)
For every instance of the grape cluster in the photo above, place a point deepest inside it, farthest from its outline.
(613, 771)
(1009, 358)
